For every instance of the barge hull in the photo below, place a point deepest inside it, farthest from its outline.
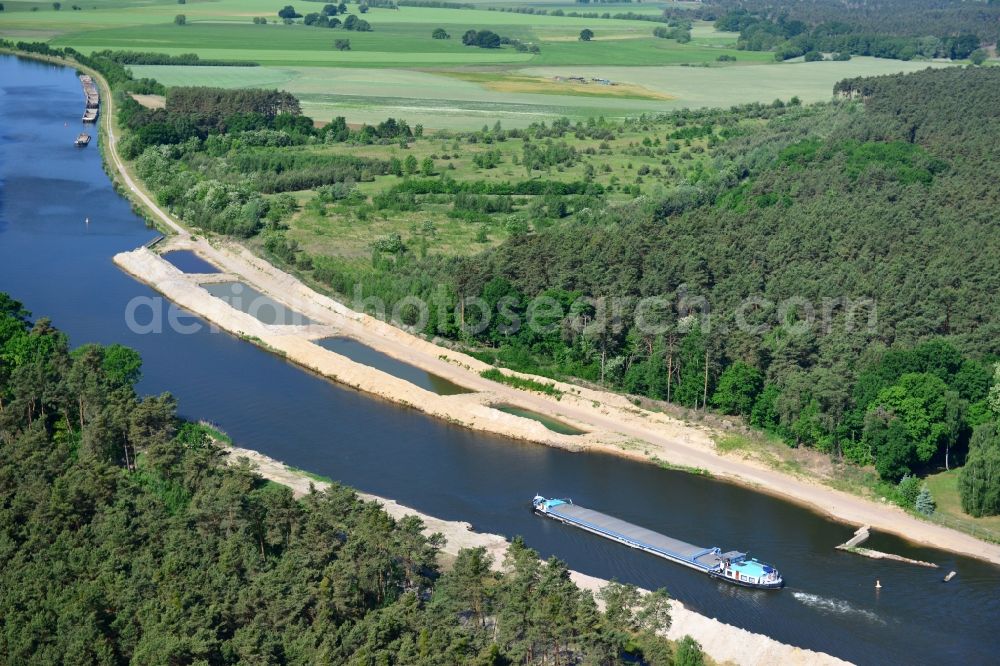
(640, 538)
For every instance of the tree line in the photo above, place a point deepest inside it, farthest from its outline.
(836, 201)
(127, 538)
(887, 28)
(188, 59)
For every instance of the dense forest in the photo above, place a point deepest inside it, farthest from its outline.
(829, 273)
(902, 29)
(126, 538)
(828, 269)
(892, 201)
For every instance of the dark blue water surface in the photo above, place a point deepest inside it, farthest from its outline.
(190, 262)
(360, 353)
(61, 267)
(247, 299)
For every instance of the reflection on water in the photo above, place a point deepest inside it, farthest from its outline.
(189, 262)
(552, 424)
(245, 298)
(364, 354)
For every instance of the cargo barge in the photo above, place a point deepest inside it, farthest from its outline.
(93, 105)
(732, 566)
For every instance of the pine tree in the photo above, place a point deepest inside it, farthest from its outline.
(925, 502)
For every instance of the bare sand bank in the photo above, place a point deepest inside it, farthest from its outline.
(611, 423)
(723, 642)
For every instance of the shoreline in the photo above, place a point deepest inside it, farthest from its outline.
(615, 425)
(723, 642)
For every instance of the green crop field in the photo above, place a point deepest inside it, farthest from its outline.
(451, 99)
(399, 70)
(696, 87)
(224, 27)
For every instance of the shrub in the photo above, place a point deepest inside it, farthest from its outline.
(979, 480)
(390, 243)
(519, 383)
(688, 653)
(908, 489)
(342, 44)
(440, 33)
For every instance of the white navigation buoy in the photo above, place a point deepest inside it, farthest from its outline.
(87, 221)
(878, 585)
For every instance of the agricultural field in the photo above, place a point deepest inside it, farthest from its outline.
(465, 98)
(403, 38)
(399, 70)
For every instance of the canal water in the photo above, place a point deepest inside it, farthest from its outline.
(552, 424)
(60, 266)
(189, 262)
(359, 353)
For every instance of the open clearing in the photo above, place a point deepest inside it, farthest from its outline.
(696, 87)
(554, 86)
(944, 488)
(466, 99)
(151, 101)
(434, 99)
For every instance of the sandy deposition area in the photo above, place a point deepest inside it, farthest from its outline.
(723, 642)
(611, 423)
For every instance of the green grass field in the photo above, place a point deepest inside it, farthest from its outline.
(224, 29)
(378, 77)
(431, 98)
(452, 99)
(944, 488)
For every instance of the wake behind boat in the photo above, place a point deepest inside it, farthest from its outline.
(732, 566)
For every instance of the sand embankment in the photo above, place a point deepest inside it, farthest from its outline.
(723, 642)
(612, 424)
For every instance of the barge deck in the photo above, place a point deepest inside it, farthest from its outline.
(93, 104)
(732, 566)
(616, 529)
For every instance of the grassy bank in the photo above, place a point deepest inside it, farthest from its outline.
(944, 488)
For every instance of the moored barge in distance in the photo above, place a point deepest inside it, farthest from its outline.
(93, 99)
(82, 139)
(732, 566)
